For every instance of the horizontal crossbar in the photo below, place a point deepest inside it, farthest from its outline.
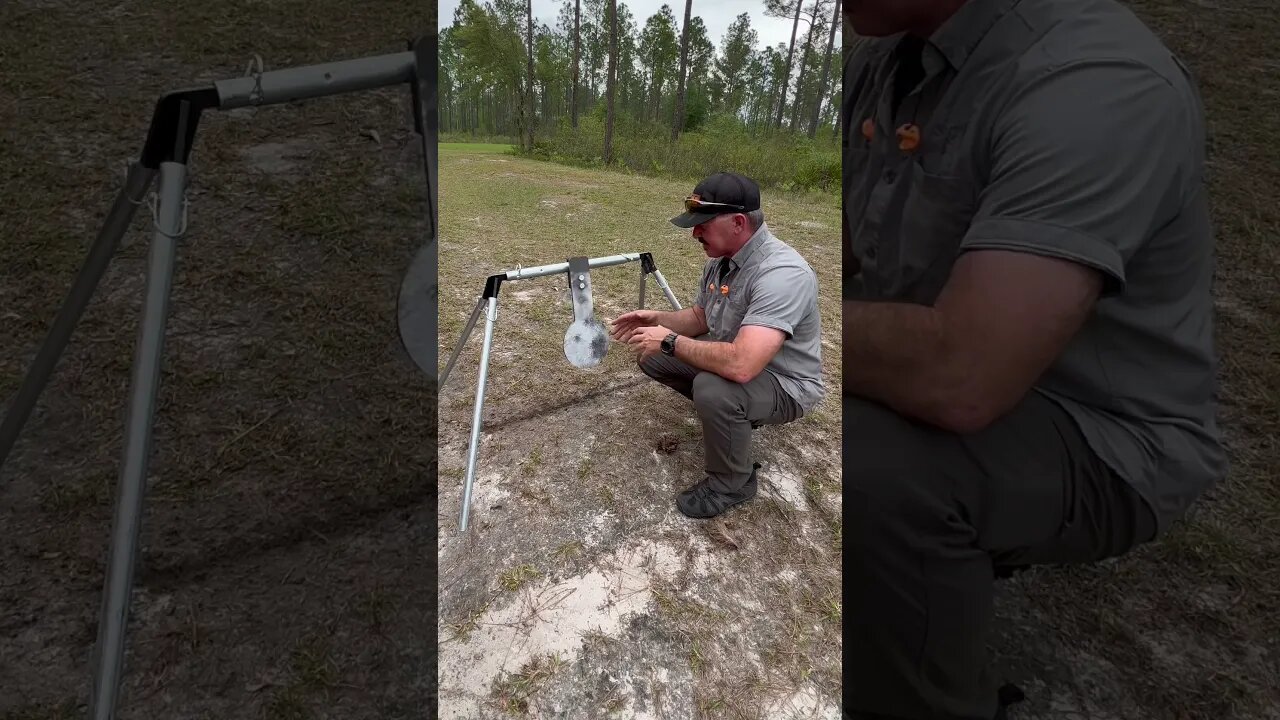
(593, 263)
(313, 81)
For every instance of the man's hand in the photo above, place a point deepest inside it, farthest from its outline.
(647, 341)
(625, 325)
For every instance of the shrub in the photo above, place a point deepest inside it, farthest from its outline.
(780, 160)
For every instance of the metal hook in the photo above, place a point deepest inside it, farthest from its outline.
(152, 199)
(256, 94)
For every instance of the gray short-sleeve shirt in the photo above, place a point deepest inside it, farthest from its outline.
(770, 284)
(1061, 128)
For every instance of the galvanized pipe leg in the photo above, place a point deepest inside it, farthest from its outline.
(662, 283)
(133, 474)
(462, 342)
(82, 288)
(491, 317)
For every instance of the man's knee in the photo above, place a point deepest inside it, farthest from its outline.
(877, 440)
(715, 396)
(890, 466)
(646, 365)
(660, 368)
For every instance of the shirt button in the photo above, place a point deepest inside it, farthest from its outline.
(890, 176)
(871, 252)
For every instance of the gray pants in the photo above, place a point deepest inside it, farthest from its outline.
(929, 515)
(727, 411)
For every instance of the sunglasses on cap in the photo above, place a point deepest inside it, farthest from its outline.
(693, 204)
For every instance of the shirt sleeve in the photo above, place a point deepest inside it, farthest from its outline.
(1087, 162)
(781, 298)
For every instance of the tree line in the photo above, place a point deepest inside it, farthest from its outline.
(502, 73)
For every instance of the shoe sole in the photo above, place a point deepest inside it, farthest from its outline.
(726, 509)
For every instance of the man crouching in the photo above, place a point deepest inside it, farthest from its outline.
(748, 352)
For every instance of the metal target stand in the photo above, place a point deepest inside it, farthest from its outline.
(579, 351)
(166, 154)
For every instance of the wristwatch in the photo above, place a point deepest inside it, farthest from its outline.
(669, 344)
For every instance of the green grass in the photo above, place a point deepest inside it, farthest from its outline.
(288, 703)
(517, 577)
(467, 138)
(513, 691)
(475, 147)
(568, 550)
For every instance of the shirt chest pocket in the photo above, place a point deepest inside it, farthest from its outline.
(936, 216)
(726, 315)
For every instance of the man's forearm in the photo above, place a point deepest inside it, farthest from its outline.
(683, 322)
(899, 354)
(720, 358)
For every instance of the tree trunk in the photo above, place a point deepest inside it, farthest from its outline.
(595, 85)
(677, 122)
(786, 74)
(528, 76)
(577, 53)
(611, 82)
(652, 95)
(656, 94)
(655, 90)
(626, 97)
(804, 66)
(826, 73)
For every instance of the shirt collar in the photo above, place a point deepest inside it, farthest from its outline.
(739, 259)
(962, 32)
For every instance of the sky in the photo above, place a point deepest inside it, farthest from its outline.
(715, 14)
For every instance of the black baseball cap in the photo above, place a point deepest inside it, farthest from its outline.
(717, 195)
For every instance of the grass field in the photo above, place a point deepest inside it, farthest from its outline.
(577, 563)
(475, 148)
